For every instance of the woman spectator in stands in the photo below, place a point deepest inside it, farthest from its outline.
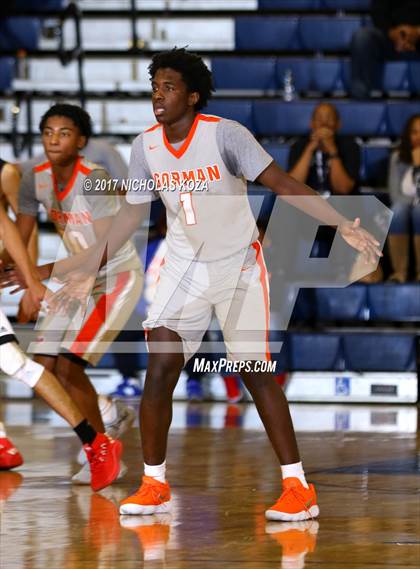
(404, 189)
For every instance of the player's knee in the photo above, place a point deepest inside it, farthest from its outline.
(14, 362)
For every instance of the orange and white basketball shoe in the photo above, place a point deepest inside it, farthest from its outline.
(152, 497)
(296, 539)
(295, 504)
(10, 457)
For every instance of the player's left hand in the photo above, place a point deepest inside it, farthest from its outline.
(74, 294)
(360, 239)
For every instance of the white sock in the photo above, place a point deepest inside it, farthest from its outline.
(2, 431)
(156, 471)
(294, 471)
(108, 410)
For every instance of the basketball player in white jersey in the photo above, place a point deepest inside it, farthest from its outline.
(102, 452)
(214, 264)
(80, 218)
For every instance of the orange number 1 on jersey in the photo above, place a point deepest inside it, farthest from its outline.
(186, 200)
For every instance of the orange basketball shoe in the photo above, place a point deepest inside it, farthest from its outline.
(10, 457)
(296, 539)
(295, 504)
(152, 497)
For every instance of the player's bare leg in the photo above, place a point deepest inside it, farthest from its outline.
(273, 409)
(77, 384)
(57, 397)
(162, 375)
(298, 499)
(154, 495)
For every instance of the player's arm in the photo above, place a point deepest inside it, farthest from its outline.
(15, 246)
(112, 234)
(293, 193)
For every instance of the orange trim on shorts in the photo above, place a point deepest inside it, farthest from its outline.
(41, 167)
(99, 314)
(263, 278)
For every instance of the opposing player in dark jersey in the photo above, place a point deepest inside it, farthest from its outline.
(214, 264)
(65, 346)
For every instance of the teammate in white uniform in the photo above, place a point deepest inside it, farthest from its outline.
(80, 217)
(213, 263)
(103, 453)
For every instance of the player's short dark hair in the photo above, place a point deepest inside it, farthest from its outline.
(194, 71)
(75, 113)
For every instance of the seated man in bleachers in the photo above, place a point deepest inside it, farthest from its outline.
(395, 35)
(324, 160)
(330, 163)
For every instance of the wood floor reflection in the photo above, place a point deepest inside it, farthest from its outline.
(222, 481)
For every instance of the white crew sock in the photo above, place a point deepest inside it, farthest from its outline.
(294, 471)
(2, 431)
(108, 410)
(156, 471)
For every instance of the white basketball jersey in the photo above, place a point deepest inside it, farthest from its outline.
(208, 212)
(71, 213)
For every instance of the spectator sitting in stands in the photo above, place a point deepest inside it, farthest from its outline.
(404, 188)
(324, 160)
(395, 35)
(329, 163)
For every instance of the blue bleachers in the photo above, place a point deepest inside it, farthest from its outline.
(375, 160)
(327, 75)
(19, 33)
(36, 5)
(346, 4)
(398, 114)
(396, 76)
(395, 302)
(260, 33)
(363, 119)
(280, 153)
(240, 111)
(273, 118)
(379, 351)
(289, 4)
(323, 33)
(244, 73)
(350, 303)
(361, 5)
(6, 72)
(301, 69)
(314, 352)
(414, 76)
